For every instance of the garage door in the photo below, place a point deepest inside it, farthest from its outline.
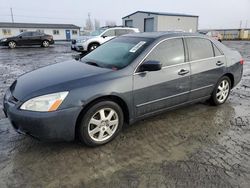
(149, 24)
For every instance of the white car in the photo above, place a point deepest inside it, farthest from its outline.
(96, 38)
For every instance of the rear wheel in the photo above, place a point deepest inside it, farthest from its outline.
(221, 91)
(101, 123)
(45, 44)
(12, 44)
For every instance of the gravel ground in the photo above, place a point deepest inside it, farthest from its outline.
(196, 146)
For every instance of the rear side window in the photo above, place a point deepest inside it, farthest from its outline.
(199, 48)
(216, 51)
(169, 52)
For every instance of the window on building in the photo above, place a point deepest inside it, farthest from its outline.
(22, 30)
(56, 32)
(74, 32)
(40, 30)
(169, 52)
(129, 23)
(6, 31)
(199, 48)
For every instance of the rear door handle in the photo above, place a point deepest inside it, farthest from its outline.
(182, 72)
(219, 63)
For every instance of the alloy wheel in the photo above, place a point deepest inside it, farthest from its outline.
(223, 91)
(12, 44)
(45, 43)
(103, 124)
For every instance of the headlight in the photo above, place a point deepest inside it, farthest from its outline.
(81, 41)
(3, 40)
(45, 103)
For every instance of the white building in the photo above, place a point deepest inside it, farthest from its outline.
(160, 21)
(58, 31)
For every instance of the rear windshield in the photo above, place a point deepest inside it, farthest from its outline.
(117, 53)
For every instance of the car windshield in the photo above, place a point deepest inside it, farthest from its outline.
(117, 53)
(97, 32)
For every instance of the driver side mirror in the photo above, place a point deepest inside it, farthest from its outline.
(103, 36)
(20, 37)
(150, 66)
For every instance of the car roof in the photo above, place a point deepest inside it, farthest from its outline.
(165, 34)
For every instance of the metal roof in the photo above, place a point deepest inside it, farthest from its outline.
(37, 25)
(161, 14)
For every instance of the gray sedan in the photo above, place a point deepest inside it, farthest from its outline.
(124, 80)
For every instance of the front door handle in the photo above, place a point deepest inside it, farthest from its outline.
(219, 63)
(182, 72)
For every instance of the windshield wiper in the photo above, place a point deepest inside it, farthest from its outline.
(92, 63)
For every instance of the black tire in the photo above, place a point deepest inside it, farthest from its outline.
(12, 44)
(93, 46)
(84, 127)
(214, 100)
(45, 43)
(219, 40)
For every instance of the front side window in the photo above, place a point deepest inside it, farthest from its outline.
(6, 31)
(56, 32)
(109, 33)
(26, 34)
(117, 53)
(199, 48)
(169, 52)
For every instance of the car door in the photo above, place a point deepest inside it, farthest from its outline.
(36, 38)
(23, 38)
(207, 66)
(168, 87)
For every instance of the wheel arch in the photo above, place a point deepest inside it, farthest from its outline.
(231, 77)
(93, 42)
(113, 98)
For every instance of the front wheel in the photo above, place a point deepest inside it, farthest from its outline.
(93, 47)
(221, 91)
(101, 123)
(12, 44)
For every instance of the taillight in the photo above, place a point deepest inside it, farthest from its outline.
(242, 62)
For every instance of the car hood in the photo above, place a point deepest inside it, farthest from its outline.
(84, 38)
(53, 78)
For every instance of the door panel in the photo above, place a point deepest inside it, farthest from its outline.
(161, 89)
(206, 68)
(148, 24)
(68, 37)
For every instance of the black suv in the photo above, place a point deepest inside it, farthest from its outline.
(28, 38)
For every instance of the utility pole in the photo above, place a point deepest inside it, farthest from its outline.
(12, 17)
(246, 24)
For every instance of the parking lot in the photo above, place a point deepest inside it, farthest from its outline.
(195, 146)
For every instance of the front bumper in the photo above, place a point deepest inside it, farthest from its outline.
(78, 48)
(47, 126)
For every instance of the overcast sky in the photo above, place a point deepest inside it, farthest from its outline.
(212, 13)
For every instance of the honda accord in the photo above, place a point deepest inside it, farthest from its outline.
(124, 80)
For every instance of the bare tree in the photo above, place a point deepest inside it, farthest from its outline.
(97, 24)
(110, 23)
(89, 24)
